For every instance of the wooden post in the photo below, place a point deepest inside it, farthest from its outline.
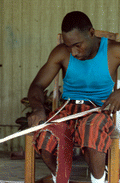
(113, 162)
(29, 160)
(113, 153)
(55, 93)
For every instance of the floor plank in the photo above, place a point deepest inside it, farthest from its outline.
(48, 179)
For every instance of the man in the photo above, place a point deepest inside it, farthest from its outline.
(89, 66)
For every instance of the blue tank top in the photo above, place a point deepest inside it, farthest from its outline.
(89, 79)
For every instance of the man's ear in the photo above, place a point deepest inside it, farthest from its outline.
(92, 32)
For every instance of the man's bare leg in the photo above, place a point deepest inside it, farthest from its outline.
(50, 160)
(96, 161)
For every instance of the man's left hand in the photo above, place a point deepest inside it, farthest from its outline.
(113, 102)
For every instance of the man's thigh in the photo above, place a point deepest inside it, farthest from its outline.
(94, 131)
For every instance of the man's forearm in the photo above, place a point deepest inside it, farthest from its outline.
(36, 97)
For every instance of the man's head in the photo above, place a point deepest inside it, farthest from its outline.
(78, 35)
(76, 20)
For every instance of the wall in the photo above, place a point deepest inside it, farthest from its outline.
(28, 33)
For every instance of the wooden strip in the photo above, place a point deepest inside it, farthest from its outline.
(113, 176)
(106, 34)
(29, 160)
(55, 93)
(113, 153)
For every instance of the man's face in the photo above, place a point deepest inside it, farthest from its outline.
(79, 44)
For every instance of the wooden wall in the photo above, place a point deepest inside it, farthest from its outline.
(28, 31)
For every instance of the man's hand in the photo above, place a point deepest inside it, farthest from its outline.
(113, 102)
(37, 117)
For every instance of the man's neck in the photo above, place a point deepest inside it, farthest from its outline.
(96, 45)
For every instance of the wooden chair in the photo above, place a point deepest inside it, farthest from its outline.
(113, 154)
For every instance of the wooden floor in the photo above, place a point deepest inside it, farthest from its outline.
(48, 179)
(79, 174)
(13, 170)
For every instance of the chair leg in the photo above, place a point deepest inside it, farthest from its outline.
(29, 160)
(113, 162)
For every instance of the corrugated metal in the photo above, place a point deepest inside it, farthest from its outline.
(29, 29)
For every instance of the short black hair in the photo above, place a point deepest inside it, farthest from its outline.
(76, 20)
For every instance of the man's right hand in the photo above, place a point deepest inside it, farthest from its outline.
(37, 117)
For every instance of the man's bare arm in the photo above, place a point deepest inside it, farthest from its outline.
(114, 59)
(41, 81)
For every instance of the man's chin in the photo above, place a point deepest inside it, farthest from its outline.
(81, 58)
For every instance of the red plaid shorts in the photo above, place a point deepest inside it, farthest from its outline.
(92, 130)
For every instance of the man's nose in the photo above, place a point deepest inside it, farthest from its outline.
(74, 52)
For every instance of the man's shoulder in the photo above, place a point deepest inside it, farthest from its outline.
(61, 49)
(113, 44)
(114, 47)
(60, 53)
(114, 51)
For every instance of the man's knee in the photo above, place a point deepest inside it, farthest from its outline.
(49, 159)
(45, 154)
